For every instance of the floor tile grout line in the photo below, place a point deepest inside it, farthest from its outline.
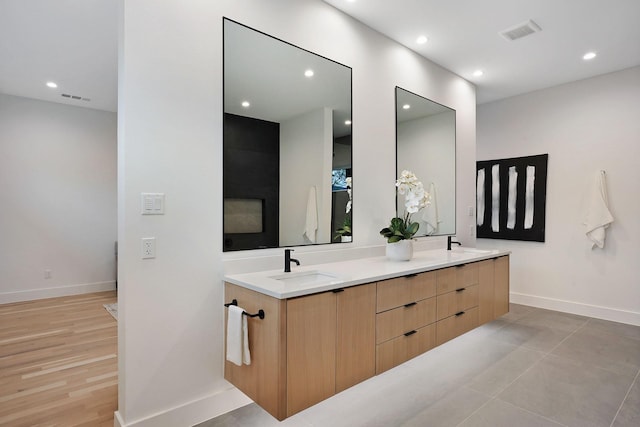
(518, 377)
(625, 398)
(495, 396)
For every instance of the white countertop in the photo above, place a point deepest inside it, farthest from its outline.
(337, 275)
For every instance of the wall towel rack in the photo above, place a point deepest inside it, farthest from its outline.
(259, 314)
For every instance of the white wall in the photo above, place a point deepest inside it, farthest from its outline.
(307, 137)
(585, 126)
(427, 148)
(170, 140)
(58, 199)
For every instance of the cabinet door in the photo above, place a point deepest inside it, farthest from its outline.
(263, 380)
(501, 286)
(486, 300)
(311, 350)
(356, 329)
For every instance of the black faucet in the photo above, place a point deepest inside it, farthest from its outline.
(288, 260)
(449, 242)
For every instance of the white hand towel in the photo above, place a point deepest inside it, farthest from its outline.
(311, 222)
(430, 214)
(598, 216)
(237, 337)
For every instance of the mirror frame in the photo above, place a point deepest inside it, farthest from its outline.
(332, 231)
(455, 160)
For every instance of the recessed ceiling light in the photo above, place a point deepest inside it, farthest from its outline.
(52, 85)
(406, 106)
(246, 104)
(347, 122)
(422, 40)
(308, 73)
(478, 73)
(589, 55)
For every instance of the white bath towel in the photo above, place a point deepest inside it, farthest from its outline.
(237, 337)
(598, 216)
(430, 214)
(311, 221)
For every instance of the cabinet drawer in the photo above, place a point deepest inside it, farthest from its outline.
(404, 347)
(452, 278)
(393, 323)
(459, 300)
(452, 326)
(397, 292)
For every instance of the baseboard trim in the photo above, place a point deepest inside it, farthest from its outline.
(599, 312)
(191, 413)
(60, 291)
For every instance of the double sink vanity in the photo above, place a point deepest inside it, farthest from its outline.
(331, 326)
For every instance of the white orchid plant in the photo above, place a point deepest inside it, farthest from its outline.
(415, 199)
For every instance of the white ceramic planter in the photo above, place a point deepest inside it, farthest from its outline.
(345, 239)
(400, 251)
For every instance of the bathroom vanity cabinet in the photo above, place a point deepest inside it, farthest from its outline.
(308, 348)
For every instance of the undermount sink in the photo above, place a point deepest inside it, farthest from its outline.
(313, 277)
(472, 250)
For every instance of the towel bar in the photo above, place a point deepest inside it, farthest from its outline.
(259, 314)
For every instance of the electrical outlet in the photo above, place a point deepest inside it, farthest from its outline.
(47, 274)
(148, 247)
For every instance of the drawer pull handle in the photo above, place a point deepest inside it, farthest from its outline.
(409, 276)
(460, 313)
(461, 289)
(335, 291)
(411, 304)
(410, 333)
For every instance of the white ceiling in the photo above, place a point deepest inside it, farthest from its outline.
(463, 36)
(74, 42)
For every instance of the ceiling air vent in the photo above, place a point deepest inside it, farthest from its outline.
(521, 30)
(76, 97)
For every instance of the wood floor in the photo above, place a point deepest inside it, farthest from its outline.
(58, 362)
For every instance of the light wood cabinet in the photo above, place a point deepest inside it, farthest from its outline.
(453, 326)
(404, 290)
(404, 324)
(308, 348)
(493, 282)
(486, 303)
(355, 341)
(457, 301)
(404, 347)
(264, 381)
(311, 350)
(501, 285)
(330, 344)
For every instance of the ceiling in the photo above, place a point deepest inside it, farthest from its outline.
(74, 43)
(464, 36)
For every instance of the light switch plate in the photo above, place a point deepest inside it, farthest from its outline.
(152, 203)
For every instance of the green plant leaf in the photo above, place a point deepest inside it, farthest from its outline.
(394, 239)
(413, 228)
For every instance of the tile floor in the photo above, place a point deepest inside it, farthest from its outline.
(531, 367)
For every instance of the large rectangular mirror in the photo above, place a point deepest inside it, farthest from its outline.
(287, 143)
(426, 145)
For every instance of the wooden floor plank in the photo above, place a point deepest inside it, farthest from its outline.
(58, 362)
